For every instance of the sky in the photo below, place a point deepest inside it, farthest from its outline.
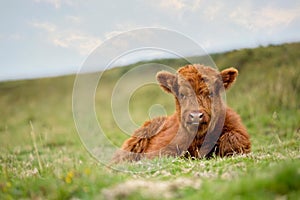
(52, 37)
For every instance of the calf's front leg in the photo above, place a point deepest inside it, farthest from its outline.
(233, 142)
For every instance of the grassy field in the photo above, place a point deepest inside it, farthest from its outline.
(41, 155)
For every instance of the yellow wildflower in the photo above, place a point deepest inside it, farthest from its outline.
(69, 177)
(8, 184)
(87, 171)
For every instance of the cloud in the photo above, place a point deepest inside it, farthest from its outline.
(266, 18)
(177, 6)
(45, 26)
(120, 28)
(74, 19)
(252, 15)
(83, 43)
(213, 11)
(172, 4)
(111, 34)
(57, 3)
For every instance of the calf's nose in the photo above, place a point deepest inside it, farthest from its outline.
(195, 116)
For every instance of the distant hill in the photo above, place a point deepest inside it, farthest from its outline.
(267, 89)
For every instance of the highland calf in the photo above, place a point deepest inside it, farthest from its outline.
(202, 124)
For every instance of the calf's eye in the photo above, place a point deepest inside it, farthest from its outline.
(211, 95)
(182, 96)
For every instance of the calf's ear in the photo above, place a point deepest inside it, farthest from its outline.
(166, 80)
(229, 75)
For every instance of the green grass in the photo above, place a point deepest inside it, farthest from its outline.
(47, 160)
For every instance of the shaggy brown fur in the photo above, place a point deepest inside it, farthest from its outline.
(202, 124)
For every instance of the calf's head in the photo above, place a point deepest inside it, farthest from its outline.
(198, 94)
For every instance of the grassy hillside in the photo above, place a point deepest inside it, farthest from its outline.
(41, 155)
